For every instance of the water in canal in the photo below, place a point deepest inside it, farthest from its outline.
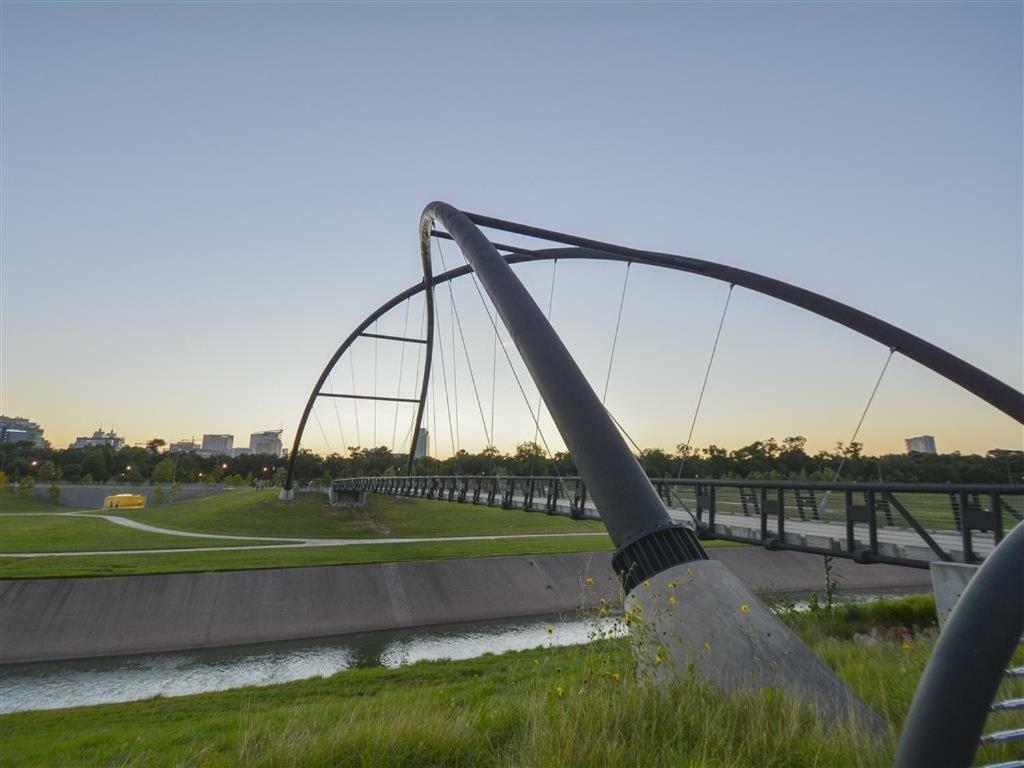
(54, 685)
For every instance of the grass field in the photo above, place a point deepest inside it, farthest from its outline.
(52, 533)
(182, 562)
(575, 706)
(246, 512)
(14, 503)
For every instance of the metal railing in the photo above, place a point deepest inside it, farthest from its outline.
(908, 524)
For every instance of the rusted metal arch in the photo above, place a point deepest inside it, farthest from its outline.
(950, 367)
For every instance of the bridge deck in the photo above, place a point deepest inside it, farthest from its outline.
(913, 524)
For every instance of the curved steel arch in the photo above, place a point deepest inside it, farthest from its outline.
(949, 366)
(427, 286)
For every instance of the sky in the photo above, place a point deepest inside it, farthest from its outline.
(199, 201)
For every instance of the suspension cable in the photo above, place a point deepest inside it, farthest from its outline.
(419, 357)
(519, 383)
(455, 369)
(375, 340)
(643, 465)
(494, 377)
(551, 297)
(465, 349)
(856, 430)
(615, 337)
(444, 378)
(707, 373)
(355, 403)
(337, 415)
(401, 370)
(322, 432)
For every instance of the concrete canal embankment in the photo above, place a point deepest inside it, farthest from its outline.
(50, 619)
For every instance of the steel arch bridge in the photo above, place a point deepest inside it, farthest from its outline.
(974, 380)
(653, 550)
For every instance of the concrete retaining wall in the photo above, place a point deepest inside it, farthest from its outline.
(91, 496)
(48, 619)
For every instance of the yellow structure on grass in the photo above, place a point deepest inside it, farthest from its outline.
(124, 500)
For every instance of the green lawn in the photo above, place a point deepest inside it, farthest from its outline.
(179, 562)
(65, 533)
(246, 512)
(13, 503)
(575, 706)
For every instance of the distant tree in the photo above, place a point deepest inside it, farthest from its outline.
(280, 475)
(95, 465)
(47, 471)
(26, 485)
(159, 496)
(54, 493)
(154, 445)
(87, 479)
(4, 482)
(163, 472)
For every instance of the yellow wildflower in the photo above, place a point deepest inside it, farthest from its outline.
(707, 646)
(551, 630)
(671, 599)
(647, 584)
(615, 677)
(590, 582)
(559, 691)
(905, 647)
(744, 609)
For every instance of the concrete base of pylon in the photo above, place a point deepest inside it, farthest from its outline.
(286, 494)
(698, 618)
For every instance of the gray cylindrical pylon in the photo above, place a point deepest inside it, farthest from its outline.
(696, 614)
(629, 504)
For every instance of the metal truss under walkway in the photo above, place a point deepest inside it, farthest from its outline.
(904, 524)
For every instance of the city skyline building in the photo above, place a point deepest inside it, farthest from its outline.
(100, 439)
(422, 444)
(921, 444)
(217, 445)
(17, 429)
(267, 442)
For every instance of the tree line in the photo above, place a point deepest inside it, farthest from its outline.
(769, 459)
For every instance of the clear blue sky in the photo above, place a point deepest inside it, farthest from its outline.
(200, 200)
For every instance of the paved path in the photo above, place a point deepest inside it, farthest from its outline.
(282, 543)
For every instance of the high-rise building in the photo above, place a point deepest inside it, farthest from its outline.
(422, 444)
(266, 443)
(15, 429)
(921, 444)
(217, 445)
(100, 439)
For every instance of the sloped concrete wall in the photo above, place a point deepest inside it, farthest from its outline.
(48, 619)
(91, 496)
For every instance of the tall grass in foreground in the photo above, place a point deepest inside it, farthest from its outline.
(570, 706)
